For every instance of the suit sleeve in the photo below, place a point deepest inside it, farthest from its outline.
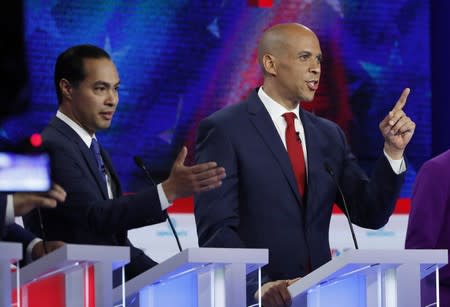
(429, 207)
(217, 211)
(85, 207)
(371, 201)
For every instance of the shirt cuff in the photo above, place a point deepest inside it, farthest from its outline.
(398, 166)
(30, 247)
(9, 216)
(163, 198)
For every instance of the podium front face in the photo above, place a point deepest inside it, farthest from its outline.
(9, 253)
(196, 277)
(74, 275)
(371, 278)
(204, 286)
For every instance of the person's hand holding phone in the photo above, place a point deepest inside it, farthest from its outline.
(25, 202)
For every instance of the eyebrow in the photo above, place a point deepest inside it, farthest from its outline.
(106, 84)
(309, 53)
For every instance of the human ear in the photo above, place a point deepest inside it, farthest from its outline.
(66, 88)
(269, 64)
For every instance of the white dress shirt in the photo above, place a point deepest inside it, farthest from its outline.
(87, 139)
(276, 112)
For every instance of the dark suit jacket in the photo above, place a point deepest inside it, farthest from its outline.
(88, 216)
(13, 232)
(258, 204)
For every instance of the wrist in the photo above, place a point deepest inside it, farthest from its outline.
(169, 191)
(392, 152)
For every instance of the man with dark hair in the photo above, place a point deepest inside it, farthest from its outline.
(95, 211)
(278, 193)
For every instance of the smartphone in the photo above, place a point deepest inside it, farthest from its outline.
(24, 172)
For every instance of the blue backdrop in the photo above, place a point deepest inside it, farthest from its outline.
(182, 60)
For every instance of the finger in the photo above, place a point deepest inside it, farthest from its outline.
(199, 168)
(395, 116)
(291, 281)
(400, 123)
(181, 156)
(272, 297)
(57, 193)
(216, 172)
(407, 128)
(212, 182)
(57, 188)
(205, 188)
(385, 121)
(402, 100)
(53, 245)
(285, 295)
(46, 202)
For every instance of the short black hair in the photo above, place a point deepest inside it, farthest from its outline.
(69, 64)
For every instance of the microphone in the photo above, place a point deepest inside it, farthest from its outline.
(41, 226)
(140, 163)
(347, 215)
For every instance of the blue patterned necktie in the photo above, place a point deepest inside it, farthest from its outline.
(95, 148)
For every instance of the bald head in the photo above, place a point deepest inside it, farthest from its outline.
(276, 40)
(290, 57)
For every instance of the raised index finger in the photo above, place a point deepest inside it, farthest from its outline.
(402, 100)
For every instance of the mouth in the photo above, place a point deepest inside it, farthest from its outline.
(107, 115)
(313, 85)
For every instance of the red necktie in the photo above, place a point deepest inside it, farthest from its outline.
(295, 152)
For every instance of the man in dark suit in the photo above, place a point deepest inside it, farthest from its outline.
(18, 204)
(278, 193)
(95, 211)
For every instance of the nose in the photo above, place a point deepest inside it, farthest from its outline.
(315, 67)
(113, 97)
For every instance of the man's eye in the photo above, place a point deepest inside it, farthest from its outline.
(304, 57)
(100, 88)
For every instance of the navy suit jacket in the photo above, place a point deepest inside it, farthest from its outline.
(258, 204)
(88, 216)
(13, 232)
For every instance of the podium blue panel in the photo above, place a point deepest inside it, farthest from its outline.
(176, 292)
(349, 292)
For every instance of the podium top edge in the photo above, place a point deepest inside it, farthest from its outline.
(10, 251)
(396, 256)
(226, 255)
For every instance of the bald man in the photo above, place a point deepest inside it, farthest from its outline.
(278, 193)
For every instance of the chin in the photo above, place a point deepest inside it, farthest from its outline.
(307, 99)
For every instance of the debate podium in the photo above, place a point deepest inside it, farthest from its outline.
(196, 277)
(73, 275)
(382, 278)
(10, 252)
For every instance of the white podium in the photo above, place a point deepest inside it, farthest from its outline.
(382, 278)
(9, 252)
(196, 277)
(70, 269)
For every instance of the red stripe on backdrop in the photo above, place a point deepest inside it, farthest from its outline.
(260, 3)
(186, 205)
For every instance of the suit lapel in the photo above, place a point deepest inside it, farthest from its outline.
(86, 153)
(263, 123)
(316, 159)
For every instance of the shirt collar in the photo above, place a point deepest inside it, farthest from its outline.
(82, 133)
(275, 109)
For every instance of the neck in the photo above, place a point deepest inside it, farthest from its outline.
(68, 112)
(272, 92)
